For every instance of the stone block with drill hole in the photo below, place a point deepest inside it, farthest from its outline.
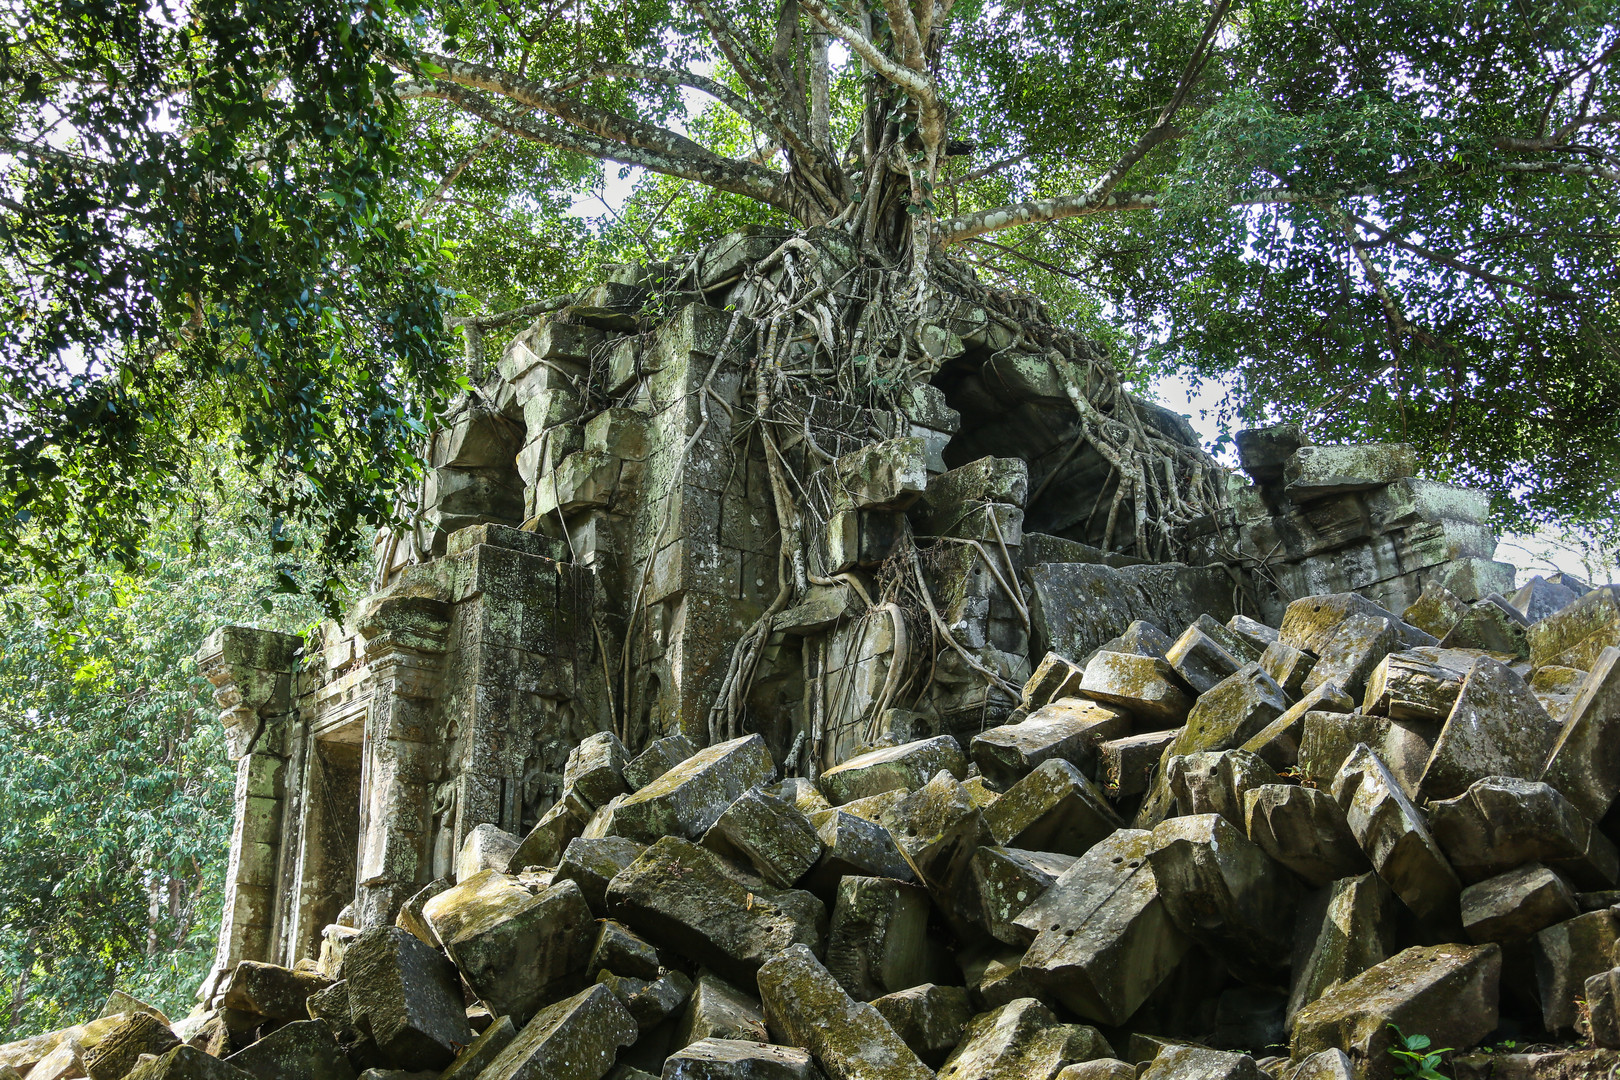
(805, 1006)
(895, 768)
(690, 900)
(1350, 654)
(1447, 992)
(1006, 881)
(772, 836)
(877, 941)
(1104, 939)
(1311, 621)
(1495, 728)
(1068, 729)
(1216, 782)
(1054, 808)
(1145, 686)
(689, 798)
(719, 1010)
(1517, 904)
(1395, 836)
(1342, 929)
(1303, 829)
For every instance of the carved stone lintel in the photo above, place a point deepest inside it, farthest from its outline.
(252, 672)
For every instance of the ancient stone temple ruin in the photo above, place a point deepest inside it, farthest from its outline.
(896, 737)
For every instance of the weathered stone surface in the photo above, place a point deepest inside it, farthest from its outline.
(929, 1018)
(1054, 808)
(1514, 905)
(854, 845)
(575, 1039)
(1490, 624)
(688, 899)
(565, 820)
(303, 1050)
(517, 950)
(1417, 684)
(1349, 655)
(1305, 830)
(1200, 660)
(187, 1063)
(1201, 1063)
(1501, 822)
(1538, 598)
(1577, 634)
(689, 798)
(1075, 608)
(1566, 955)
(656, 759)
(1602, 993)
(1447, 992)
(1323, 1065)
(487, 847)
(1100, 1069)
(1216, 783)
(739, 1059)
(595, 768)
(805, 1006)
(719, 1010)
(996, 975)
(592, 863)
(1328, 739)
(1020, 1040)
(771, 835)
(1142, 638)
(878, 940)
(1290, 667)
(1436, 610)
(1068, 729)
(272, 991)
(1104, 941)
(650, 1002)
(1496, 728)
(1125, 766)
(135, 1034)
(1313, 472)
(895, 768)
(1584, 762)
(1223, 891)
(1054, 677)
(617, 950)
(1395, 836)
(1342, 930)
(1256, 633)
(1278, 743)
(483, 1051)
(407, 996)
(1006, 881)
(1232, 712)
(1147, 687)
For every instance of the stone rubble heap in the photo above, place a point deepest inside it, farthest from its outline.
(1248, 851)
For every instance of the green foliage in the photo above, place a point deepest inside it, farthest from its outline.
(115, 792)
(1414, 1058)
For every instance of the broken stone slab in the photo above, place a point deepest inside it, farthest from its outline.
(1055, 808)
(517, 950)
(687, 799)
(801, 794)
(1256, 633)
(1142, 638)
(1099, 1069)
(938, 827)
(1584, 762)
(1054, 677)
(1538, 598)
(272, 991)
(1021, 1040)
(769, 834)
(407, 996)
(187, 1063)
(739, 1059)
(1278, 743)
(595, 768)
(1557, 688)
(1517, 904)
(1577, 635)
(1342, 930)
(688, 899)
(805, 1006)
(1313, 472)
(1395, 836)
(929, 1018)
(1216, 782)
(1324, 1065)
(618, 950)
(1566, 954)
(895, 768)
(483, 1051)
(1496, 728)
(1602, 994)
(1288, 666)
(1447, 992)
(889, 473)
(854, 845)
(1224, 892)
(719, 1010)
(1490, 624)
(1502, 822)
(1201, 1063)
(1352, 651)
(1125, 766)
(1006, 881)
(1303, 829)
(592, 863)
(1104, 941)
(1200, 660)
(487, 847)
(1231, 713)
(1311, 621)
(1327, 739)
(656, 759)
(873, 807)
(136, 1033)
(1147, 687)
(878, 939)
(650, 1002)
(1417, 684)
(1068, 729)
(563, 821)
(1263, 452)
(575, 1039)
(302, 1050)
(995, 975)
(1436, 610)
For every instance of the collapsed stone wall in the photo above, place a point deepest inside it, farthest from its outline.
(974, 717)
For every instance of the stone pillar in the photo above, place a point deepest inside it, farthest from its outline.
(252, 672)
(403, 750)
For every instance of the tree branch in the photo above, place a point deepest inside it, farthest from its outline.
(1444, 259)
(913, 83)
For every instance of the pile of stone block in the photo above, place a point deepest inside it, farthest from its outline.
(1245, 851)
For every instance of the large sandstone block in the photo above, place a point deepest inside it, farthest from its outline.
(595, 768)
(689, 798)
(739, 1059)
(1416, 684)
(1500, 823)
(1199, 660)
(1352, 652)
(302, 1050)
(1054, 808)
(1495, 728)
(894, 768)
(272, 991)
(1232, 712)
(1514, 905)
(187, 1063)
(1395, 836)
(878, 939)
(1214, 782)
(1006, 881)
(1201, 1063)
(854, 845)
(1314, 472)
(1147, 687)
(1104, 940)
(771, 835)
(1447, 992)
(1584, 762)
(656, 759)
(1279, 742)
(1577, 635)
(719, 1010)
(408, 996)
(1021, 1040)
(688, 899)
(805, 1006)
(929, 1018)
(1327, 740)
(487, 847)
(136, 1033)
(1342, 930)
(1068, 729)
(575, 1039)
(1305, 830)
(1566, 955)
(591, 863)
